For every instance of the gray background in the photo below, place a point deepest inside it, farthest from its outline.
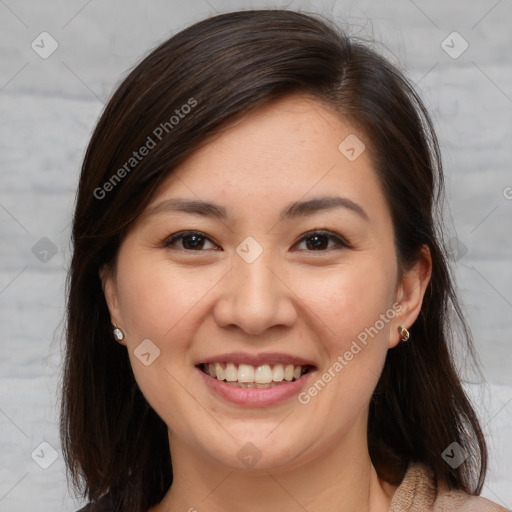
(49, 108)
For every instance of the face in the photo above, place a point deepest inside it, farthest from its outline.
(259, 292)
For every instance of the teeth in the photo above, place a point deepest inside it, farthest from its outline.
(219, 372)
(248, 376)
(263, 374)
(278, 373)
(231, 373)
(245, 373)
(288, 372)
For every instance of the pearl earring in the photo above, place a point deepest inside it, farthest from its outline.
(118, 334)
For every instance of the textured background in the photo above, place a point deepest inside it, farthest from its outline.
(49, 108)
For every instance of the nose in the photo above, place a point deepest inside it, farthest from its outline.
(255, 297)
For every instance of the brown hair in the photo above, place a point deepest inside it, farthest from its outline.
(222, 67)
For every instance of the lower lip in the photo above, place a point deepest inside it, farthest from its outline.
(255, 397)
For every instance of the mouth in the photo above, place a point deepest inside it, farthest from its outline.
(261, 376)
(255, 380)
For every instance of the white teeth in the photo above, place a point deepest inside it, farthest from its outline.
(288, 372)
(219, 372)
(245, 373)
(278, 373)
(263, 374)
(248, 376)
(231, 373)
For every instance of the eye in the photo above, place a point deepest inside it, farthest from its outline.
(190, 241)
(196, 241)
(319, 241)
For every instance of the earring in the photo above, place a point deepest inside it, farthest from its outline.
(118, 334)
(404, 333)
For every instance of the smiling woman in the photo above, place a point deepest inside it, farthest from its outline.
(240, 304)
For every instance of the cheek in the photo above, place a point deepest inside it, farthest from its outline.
(157, 304)
(348, 299)
(350, 331)
(156, 299)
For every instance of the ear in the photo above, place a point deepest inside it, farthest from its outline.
(109, 285)
(410, 293)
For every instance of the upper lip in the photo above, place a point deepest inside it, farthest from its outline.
(257, 359)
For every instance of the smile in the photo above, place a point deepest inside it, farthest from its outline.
(255, 380)
(249, 376)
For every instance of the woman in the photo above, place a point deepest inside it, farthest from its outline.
(259, 302)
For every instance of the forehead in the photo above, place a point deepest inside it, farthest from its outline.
(289, 150)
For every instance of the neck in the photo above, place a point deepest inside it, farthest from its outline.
(341, 478)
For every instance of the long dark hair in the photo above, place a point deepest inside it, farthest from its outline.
(221, 68)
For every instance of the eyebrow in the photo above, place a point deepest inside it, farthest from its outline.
(291, 211)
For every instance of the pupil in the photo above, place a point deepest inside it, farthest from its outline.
(318, 243)
(195, 241)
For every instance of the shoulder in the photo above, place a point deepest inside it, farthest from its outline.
(459, 501)
(418, 492)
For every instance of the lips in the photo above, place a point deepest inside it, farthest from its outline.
(262, 379)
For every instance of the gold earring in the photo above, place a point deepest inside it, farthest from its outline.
(118, 334)
(404, 333)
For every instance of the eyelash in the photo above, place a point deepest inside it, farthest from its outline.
(340, 242)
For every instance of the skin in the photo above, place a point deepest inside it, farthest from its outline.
(197, 303)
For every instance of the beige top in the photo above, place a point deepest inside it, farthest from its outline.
(418, 492)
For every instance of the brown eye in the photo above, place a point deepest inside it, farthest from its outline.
(189, 241)
(319, 241)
